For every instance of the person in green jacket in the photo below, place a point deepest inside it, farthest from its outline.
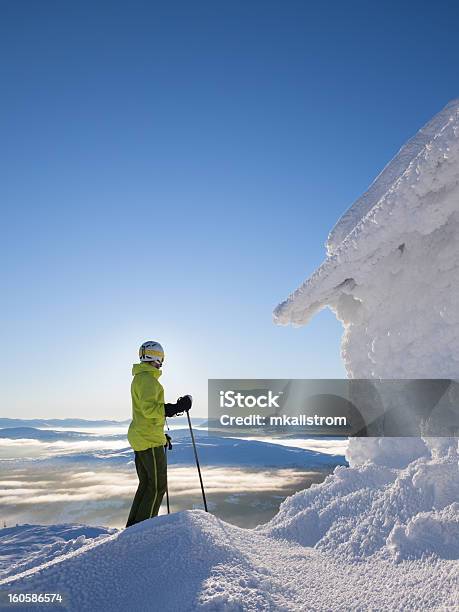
(146, 431)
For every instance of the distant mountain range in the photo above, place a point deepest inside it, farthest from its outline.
(32, 433)
(50, 423)
(213, 450)
(85, 423)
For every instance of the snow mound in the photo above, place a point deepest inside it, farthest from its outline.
(376, 510)
(139, 568)
(192, 560)
(391, 452)
(432, 533)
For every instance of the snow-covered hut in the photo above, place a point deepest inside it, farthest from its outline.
(391, 274)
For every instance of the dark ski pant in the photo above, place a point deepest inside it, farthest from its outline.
(152, 472)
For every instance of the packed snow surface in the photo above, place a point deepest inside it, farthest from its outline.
(27, 546)
(369, 537)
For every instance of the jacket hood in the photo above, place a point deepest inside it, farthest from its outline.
(137, 368)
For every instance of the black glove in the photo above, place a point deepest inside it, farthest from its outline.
(168, 445)
(184, 403)
(171, 409)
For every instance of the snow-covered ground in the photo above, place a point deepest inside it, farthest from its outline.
(27, 546)
(368, 538)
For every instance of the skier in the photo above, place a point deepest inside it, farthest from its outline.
(146, 431)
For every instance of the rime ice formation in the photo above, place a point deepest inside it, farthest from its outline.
(392, 275)
(392, 272)
(372, 511)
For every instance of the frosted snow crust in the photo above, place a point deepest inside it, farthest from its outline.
(390, 175)
(374, 510)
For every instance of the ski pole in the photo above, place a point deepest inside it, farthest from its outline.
(197, 460)
(167, 483)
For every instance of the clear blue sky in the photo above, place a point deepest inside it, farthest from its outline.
(171, 170)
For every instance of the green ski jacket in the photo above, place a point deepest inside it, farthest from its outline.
(147, 427)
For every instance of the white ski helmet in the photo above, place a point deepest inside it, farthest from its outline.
(152, 351)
